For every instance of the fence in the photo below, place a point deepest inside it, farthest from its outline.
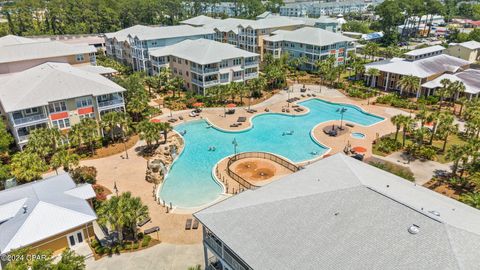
(281, 161)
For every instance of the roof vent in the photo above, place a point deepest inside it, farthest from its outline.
(414, 229)
(337, 213)
(25, 208)
(433, 212)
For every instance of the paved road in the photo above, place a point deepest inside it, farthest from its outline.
(160, 257)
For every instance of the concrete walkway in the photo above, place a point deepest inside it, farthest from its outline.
(160, 257)
(423, 171)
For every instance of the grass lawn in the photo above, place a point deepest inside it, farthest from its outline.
(438, 144)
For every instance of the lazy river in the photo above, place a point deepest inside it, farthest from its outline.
(190, 183)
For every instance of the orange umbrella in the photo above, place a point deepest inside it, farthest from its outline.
(198, 104)
(155, 120)
(359, 149)
(231, 105)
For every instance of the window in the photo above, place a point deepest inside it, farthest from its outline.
(179, 60)
(180, 72)
(84, 102)
(61, 123)
(87, 115)
(57, 107)
(224, 77)
(79, 57)
(30, 111)
(175, 70)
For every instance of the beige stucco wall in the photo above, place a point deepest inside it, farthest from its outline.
(184, 67)
(23, 65)
(59, 242)
(463, 53)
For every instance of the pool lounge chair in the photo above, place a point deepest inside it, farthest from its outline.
(188, 224)
(180, 117)
(195, 224)
(241, 119)
(349, 125)
(151, 230)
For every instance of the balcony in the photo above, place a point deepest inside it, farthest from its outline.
(250, 63)
(111, 102)
(205, 70)
(30, 119)
(23, 138)
(251, 75)
(206, 83)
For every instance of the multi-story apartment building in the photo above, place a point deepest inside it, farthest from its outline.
(312, 43)
(117, 44)
(158, 37)
(469, 50)
(317, 9)
(18, 53)
(204, 63)
(251, 34)
(55, 95)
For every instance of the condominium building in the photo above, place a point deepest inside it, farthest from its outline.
(117, 44)
(55, 95)
(19, 53)
(317, 9)
(157, 37)
(204, 63)
(469, 50)
(52, 214)
(340, 213)
(312, 43)
(426, 64)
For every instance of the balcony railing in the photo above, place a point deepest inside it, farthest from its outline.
(204, 70)
(251, 75)
(251, 63)
(22, 138)
(31, 118)
(110, 102)
(206, 83)
(214, 245)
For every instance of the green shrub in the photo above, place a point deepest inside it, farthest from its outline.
(135, 246)
(84, 174)
(99, 250)
(146, 240)
(396, 101)
(388, 145)
(95, 243)
(392, 168)
(127, 246)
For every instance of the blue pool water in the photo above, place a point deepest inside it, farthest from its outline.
(358, 135)
(189, 182)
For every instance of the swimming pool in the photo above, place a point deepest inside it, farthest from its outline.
(190, 183)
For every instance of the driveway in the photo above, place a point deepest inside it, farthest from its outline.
(423, 171)
(160, 257)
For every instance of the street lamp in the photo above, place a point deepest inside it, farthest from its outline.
(342, 111)
(235, 144)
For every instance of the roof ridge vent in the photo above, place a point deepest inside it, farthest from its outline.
(414, 229)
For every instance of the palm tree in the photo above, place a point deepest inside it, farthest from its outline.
(65, 159)
(27, 166)
(165, 127)
(135, 212)
(110, 122)
(455, 154)
(111, 214)
(457, 88)
(149, 131)
(373, 73)
(446, 128)
(472, 199)
(444, 91)
(407, 122)
(410, 84)
(462, 101)
(397, 120)
(89, 133)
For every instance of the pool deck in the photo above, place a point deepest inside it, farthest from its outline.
(129, 174)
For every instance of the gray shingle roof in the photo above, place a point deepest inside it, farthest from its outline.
(340, 213)
(42, 209)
